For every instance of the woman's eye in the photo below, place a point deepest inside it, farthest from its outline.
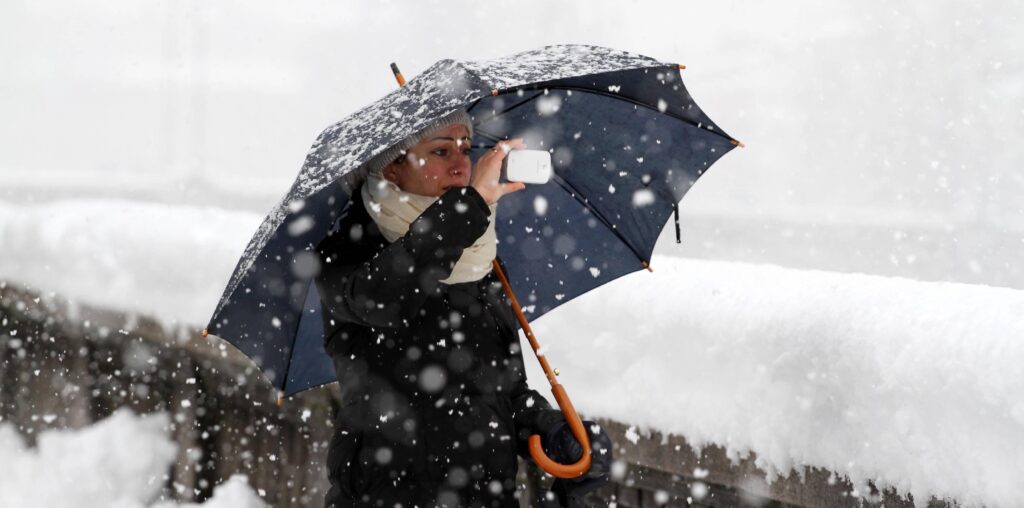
(441, 152)
(467, 151)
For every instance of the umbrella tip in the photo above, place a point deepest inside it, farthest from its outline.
(280, 398)
(681, 66)
(648, 266)
(206, 333)
(398, 74)
(737, 143)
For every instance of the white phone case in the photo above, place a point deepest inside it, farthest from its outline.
(527, 166)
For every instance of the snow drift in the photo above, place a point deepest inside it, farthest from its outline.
(120, 462)
(914, 385)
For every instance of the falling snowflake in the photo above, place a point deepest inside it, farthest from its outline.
(642, 198)
(632, 435)
(540, 206)
(300, 225)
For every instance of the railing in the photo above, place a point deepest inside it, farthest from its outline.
(80, 363)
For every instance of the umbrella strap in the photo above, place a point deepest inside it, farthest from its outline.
(675, 210)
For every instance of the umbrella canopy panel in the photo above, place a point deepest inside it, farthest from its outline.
(274, 315)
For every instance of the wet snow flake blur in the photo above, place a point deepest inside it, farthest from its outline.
(632, 435)
(548, 105)
(642, 198)
(300, 225)
(540, 205)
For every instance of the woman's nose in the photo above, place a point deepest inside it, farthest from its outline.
(461, 165)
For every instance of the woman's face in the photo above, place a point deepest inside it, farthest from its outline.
(434, 165)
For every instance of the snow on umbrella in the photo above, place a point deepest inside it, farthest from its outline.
(627, 142)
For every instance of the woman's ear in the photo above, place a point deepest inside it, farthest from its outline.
(390, 173)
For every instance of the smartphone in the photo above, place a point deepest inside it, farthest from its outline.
(527, 166)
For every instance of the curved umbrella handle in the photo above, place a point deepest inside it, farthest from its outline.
(575, 424)
(578, 430)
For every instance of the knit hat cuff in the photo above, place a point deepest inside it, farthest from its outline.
(376, 165)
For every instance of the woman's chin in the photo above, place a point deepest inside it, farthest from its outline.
(453, 186)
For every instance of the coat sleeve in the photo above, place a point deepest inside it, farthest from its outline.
(388, 290)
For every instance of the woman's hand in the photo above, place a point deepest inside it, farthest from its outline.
(487, 172)
(561, 446)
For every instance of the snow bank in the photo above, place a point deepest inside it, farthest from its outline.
(914, 385)
(121, 462)
(234, 493)
(157, 259)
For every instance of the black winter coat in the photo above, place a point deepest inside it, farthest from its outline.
(435, 405)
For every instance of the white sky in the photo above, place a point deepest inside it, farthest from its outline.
(901, 114)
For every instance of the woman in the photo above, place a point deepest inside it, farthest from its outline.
(435, 405)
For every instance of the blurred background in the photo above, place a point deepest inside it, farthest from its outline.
(881, 137)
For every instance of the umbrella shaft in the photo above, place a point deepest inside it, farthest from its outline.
(524, 323)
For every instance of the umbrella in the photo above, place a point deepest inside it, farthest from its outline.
(627, 142)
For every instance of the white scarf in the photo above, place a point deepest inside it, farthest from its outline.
(394, 209)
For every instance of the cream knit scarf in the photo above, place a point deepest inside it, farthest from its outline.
(394, 209)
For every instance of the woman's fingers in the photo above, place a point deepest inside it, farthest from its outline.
(510, 187)
(487, 173)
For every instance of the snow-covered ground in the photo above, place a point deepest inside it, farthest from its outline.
(917, 385)
(120, 462)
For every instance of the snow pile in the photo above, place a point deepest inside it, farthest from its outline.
(234, 493)
(121, 462)
(126, 254)
(914, 385)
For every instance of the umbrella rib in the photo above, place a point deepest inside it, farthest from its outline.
(295, 340)
(571, 189)
(510, 108)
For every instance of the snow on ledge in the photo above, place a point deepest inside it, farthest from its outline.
(915, 385)
(166, 261)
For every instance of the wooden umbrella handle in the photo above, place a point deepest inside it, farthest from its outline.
(578, 430)
(575, 424)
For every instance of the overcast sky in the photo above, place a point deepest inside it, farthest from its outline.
(874, 105)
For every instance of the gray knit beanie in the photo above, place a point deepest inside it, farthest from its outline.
(376, 165)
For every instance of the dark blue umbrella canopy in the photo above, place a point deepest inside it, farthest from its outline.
(627, 142)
